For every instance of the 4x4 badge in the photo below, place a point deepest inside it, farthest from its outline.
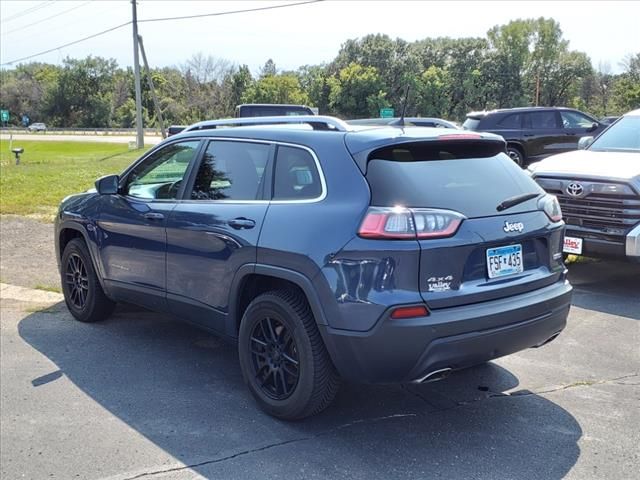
(513, 227)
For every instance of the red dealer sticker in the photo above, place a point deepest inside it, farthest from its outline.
(572, 245)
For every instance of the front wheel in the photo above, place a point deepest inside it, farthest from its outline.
(283, 359)
(83, 293)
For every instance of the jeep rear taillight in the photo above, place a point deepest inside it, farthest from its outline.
(402, 223)
(551, 206)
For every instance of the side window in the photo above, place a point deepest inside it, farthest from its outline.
(575, 120)
(160, 175)
(231, 171)
(542, 120)
(513, 121)
(296, 175)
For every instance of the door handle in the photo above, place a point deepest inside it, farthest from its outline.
(241, 222)
(153, 216)
(528, 134)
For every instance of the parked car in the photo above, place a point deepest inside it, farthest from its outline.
(37, 127)
(599, 190)
(383, 254)
(409, 121)
(608, 120)
(272, 110)
(258, 110)
(536, 132)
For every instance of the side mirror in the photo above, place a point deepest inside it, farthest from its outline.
(584, 142)
(593, 126)
(108, 185)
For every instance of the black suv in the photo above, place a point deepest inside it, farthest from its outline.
(326, 251)
(534, 133)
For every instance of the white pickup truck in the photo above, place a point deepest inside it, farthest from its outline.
(598, 187)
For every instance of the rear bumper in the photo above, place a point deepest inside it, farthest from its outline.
(628, 248)
(399, 351)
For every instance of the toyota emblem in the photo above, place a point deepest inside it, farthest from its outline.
(575, 189)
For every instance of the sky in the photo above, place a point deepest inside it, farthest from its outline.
(607, 31)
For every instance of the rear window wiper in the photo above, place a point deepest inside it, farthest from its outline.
(518, 199)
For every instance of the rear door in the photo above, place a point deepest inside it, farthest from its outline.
(215, 229)
(543, 134)
(472, 180)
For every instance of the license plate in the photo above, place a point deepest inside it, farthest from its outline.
(503, 261)
(572, 245)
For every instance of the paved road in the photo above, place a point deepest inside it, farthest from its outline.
(144, 396)
(148, 140)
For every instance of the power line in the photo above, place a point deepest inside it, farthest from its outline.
(217, 14)
(47, 18)
(69, 44)
(27, 11)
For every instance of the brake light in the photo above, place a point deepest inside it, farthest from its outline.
(460, 136)
(551, 207)
(410, 312)
(409, 223)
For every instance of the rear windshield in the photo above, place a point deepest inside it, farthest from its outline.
(471, 123)
(448, 177)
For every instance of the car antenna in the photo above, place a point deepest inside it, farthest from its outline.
(400, 121)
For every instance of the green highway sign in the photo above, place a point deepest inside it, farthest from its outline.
(386, 113)
(4, 115)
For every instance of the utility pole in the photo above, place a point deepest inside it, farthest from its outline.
(537, 89)
(136, 73)
(156, 103)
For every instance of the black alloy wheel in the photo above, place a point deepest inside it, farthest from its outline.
(274, 357)
(77, 281)
(83, 293)
(283, 359)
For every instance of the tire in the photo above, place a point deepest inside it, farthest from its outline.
(83, 293)
(277, 330)
(516, 155)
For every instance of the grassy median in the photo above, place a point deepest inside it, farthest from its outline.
(51, 170)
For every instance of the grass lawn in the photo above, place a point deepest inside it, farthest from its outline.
(49, 171)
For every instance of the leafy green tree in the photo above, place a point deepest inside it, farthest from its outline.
(357, 92)
(314, 79)
(626, 90)
(284, 88)
(433, 92)
(395, 61)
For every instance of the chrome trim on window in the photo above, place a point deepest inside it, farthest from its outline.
(323, 182)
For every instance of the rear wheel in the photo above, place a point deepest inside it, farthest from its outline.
(83, 293)
(283, 359)
(516, 155)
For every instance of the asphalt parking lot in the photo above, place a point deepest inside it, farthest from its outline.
(146, 396)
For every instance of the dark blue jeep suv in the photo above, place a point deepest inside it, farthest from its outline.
(326, 251)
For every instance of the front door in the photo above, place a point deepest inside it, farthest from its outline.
(132, 225)
(215, 230)
(576, 125)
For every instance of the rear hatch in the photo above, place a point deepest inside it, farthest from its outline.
(454, 186)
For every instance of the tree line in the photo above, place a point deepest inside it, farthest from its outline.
(525, 62)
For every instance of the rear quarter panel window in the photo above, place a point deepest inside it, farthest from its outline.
(296, 175)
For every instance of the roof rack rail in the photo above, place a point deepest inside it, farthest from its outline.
(317, 122)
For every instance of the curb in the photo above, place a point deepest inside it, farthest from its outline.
(31, 295)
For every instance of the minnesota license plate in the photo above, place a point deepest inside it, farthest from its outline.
(503, 261)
